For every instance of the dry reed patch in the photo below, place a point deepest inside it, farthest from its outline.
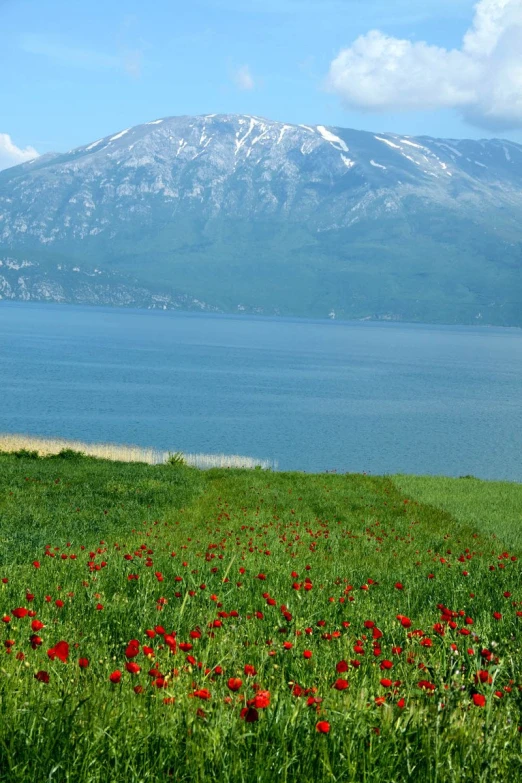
(125, 453)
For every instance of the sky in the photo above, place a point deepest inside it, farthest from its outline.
(77, 71)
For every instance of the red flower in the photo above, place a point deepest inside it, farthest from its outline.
(261, 700)
(341, 667)
(37, 625)
(250, 670)
(479, 700)
(249, 714)
(60, 651)
(42, 676)
(386, 683)
(20, 612)
(234, 683)
(307, 654)
(83, 663)
(426, 685)
(385, 665)
(340, 684)
(115, 677)
(203, 693)
(483, 676)
(133, 649)
(132, 667)
(323, 727)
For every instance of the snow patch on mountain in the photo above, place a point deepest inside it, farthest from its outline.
(332, 138)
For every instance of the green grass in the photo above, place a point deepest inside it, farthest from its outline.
(352, 531)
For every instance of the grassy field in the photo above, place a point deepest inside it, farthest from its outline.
(164, 623)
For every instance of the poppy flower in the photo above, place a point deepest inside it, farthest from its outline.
(234, 683)
(60, 651)
(132, 667)
(37, 625)
(307, 654)
(115, 677)
(249, 714)
(133, 649)
(83, 663)
(340, 684)
(323, 727)
(250, 670)
(203, 693)
(261, 700)
(20, 612)
(386, 683)
(479, 700)
(341, 667)
(42, 676)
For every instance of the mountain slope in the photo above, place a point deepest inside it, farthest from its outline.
(237, 213)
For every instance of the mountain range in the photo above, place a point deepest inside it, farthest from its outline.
(236, 213)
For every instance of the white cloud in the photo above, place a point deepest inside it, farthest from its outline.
(11, 155)
(482, 79)
(243, 79)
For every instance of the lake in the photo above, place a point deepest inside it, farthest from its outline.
(312, 395)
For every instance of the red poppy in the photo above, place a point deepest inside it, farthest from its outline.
(20, 612)
(323, 727)
(60, 651)
(133, 649)
(115, 677)
(261, 700)
(83, 663)
(42, 676)
(203, 693)
(307, 654)
(234, 683)
(479, 700)
(340, 684)
(249, 714)
(132, 667)
(341, 667)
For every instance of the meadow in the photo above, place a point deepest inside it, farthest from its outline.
(159, 622)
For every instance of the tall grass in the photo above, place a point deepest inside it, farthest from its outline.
(46, 447)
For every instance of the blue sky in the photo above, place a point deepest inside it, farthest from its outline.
(76, 71)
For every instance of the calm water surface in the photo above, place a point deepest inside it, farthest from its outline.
(313, 395)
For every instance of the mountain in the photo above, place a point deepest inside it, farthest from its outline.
(234, 213)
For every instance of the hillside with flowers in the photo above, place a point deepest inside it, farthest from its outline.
(165, 623)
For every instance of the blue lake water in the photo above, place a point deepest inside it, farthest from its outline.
(313, 395)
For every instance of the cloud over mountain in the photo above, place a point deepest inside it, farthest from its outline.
(11, 155)
(482, 79)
